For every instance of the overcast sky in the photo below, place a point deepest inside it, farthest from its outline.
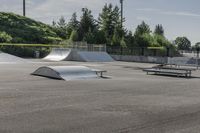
(178, 17)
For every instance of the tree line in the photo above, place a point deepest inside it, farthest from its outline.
(106, 29)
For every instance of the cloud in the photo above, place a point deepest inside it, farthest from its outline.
(189, 14)
(148, 9)
(174, 13)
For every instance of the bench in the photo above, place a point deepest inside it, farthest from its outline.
(99, 72)
(171, 71)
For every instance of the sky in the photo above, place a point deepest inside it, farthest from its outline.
(178, 17)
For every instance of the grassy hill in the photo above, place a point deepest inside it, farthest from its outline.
(25, 30)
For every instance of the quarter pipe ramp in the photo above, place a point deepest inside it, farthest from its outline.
(58, 54)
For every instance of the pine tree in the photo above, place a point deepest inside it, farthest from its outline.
(61, 28)
(142, 34)
(87, 23)
(116, 38)
(142, 29)
(73, 25)
(108, 20)
(61, 23)
(159, 30)
(54, 23)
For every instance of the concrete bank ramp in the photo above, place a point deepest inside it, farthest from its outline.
(92, 56)
(64, 54)
(58, 54)
(8, 58)
(66, 72)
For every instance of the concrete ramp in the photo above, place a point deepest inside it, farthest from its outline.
(92, 56)
(8, 58)
(59, 54)
(66, 72)
(64, 54)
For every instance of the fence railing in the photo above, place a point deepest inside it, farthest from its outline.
(84, 46)
(140, 51)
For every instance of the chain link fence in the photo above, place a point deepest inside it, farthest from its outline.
(84, 46)
(139, 51)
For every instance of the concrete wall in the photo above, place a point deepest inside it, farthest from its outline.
(143, 59)
(158, 60)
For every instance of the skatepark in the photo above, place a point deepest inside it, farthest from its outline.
(126, 100)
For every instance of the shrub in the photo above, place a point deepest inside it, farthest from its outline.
(4, 37)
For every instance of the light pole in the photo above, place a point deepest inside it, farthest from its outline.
(122, 8)
(122, 5)
(24, 7)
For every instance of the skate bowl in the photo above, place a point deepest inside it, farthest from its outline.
(58, 54)
(64, 54)
(8, 58)
(66, 72)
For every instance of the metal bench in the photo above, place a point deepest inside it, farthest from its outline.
(99, 72)
(187, 72)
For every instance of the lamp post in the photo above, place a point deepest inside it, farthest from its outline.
(122, 8)
(122, 5)
(24, 8)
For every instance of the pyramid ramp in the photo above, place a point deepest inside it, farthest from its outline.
(66, 72)
(91, 56)
(58, 54)
(8, 58)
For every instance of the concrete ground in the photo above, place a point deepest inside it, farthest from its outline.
(128, 102)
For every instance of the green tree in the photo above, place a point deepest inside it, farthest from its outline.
(99, 37)
(161, 40)
(142, 29)
(130, 40)
(62, 23)
(149, 41)
(54, 24)
(109, 20)
(61, 28)
(183, 43)
(89, 37)
(159, 30)
(116, 39)
(123, 43)
(142, 34)
(87, 23)
(74, 36)
(196, 46)
(4, 37)
(73, 25)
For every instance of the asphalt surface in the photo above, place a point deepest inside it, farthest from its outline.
(127, 101)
